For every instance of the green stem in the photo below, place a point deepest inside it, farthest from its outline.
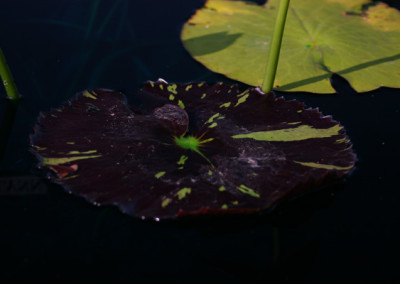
(275, 47)
(7, 79)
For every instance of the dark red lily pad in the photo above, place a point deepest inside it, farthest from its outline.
(195, 149)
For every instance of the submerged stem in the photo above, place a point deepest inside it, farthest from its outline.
(7, 79)
(277, 244)
(275, 47)
(6, 125)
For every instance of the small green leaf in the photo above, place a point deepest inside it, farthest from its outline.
(356, 39)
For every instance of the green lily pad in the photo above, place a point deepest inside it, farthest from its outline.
(189, 149)
(354, 38)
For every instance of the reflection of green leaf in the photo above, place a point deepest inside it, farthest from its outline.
(321, 37)
(227, 151)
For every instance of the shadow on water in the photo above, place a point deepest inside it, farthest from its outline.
(279, 264)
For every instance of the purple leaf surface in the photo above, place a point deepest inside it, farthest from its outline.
(196, 149)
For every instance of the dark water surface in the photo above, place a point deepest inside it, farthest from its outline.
(345, 233)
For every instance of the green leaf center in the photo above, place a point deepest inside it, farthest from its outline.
(188, 142)
(193, 143)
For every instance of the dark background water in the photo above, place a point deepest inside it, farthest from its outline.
(344, 233)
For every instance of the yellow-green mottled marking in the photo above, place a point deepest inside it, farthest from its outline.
(80, 153)
(60, 161)
(165, 202)
(40, 148)
(248, 190)
(242, 100)
(53, 115)
(172, 89)
(182, 160)
(151, 84)
(243, 93)
(159, 174)
(343, 140)
(211, 119)
(302, 132)
(89, 95)
(206, 140)
(203, 96)
(183, 192)
(225, 105)
(200, 84)
(191, 143)
(224, 206)
(235, 202)
(294, 123)
(161, 86)
(71, 143)
(181, 104)
(299, 111)
(324, 166)
(213, 125)
(210, 173)
(347, 148)
(188, 87)
(171, 97)
(222, 188)
(70, 177)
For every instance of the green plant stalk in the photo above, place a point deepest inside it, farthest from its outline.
(7, 79)
(275, 47)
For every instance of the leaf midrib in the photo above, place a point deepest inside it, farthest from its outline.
(321, 62)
